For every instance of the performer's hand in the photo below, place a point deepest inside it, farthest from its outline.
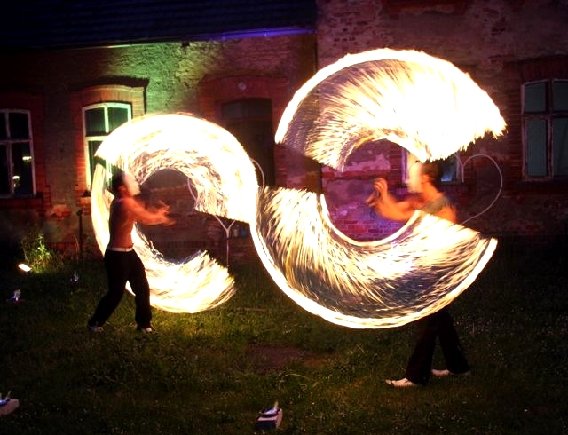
(163, 206)
(169, 221)
(165, 219)
(371, 199)
(381, 187)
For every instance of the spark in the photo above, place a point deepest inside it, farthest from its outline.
(221, 175)
(424, 104)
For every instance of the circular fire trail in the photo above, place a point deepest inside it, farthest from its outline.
(424, 104)
(222, 176)
(387, 283)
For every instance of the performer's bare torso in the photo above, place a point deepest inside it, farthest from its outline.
(120, 224)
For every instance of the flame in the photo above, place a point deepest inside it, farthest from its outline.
(424, 104)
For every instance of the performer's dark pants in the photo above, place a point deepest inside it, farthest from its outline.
(120, 268)
(437, 325)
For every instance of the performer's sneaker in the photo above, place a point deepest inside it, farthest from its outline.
(145, 330)
(401, 383)
(95, 328)
(445, 372)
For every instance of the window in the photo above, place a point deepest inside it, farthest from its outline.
(16, 153)
(450, 169)
(250, 121)
(99, 121)
(545, 123)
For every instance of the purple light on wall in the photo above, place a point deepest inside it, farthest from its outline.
(253, 33)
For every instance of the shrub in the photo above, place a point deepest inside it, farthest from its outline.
(36, 253)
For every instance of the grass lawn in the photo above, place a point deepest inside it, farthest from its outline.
(211, 372)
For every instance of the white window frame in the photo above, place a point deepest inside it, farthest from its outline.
(86, 139)
(8, 142)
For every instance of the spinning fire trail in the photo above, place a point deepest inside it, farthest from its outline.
(369, 96)
(223, 177)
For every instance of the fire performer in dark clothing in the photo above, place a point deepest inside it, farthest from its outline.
(438, 325)
(122, 263)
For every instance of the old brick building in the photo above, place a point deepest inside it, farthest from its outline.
(73, 71)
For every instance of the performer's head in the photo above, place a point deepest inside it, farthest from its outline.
(117, 181)
(423, 174)
(431, 171)
(123, 183)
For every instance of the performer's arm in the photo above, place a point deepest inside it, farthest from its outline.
(386, 205)
(448, 213)
(147, 216)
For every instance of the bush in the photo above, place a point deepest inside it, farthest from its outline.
(37, 255)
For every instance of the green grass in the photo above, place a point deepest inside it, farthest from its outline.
(209, 373)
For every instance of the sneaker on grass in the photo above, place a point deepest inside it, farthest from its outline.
(400, 383)
(442, 373)
(95, 328)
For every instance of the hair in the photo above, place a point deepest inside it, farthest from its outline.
(432, 169)
(116, 181)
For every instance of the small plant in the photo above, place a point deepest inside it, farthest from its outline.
(36, 253)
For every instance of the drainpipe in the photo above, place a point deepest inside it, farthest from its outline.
(80, 216)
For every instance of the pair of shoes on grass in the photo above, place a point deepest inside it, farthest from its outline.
(443, 373)
(438, 373)
(96, 328)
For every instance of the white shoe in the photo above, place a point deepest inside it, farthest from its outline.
(445, 372)
(401, 383)
(95, 328)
